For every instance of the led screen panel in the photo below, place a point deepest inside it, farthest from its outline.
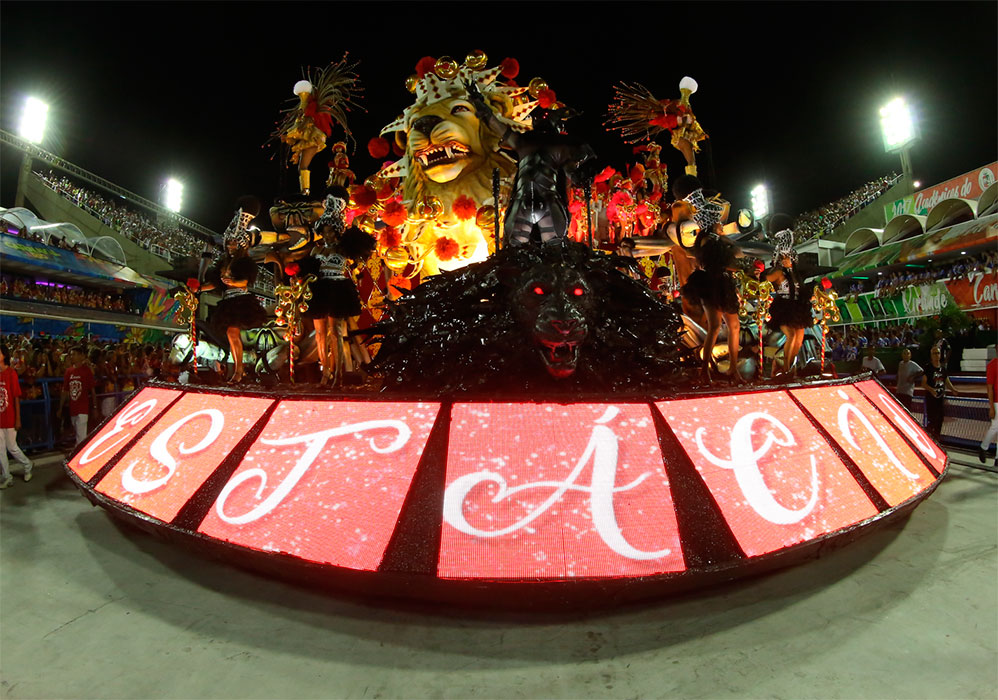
(325, 481)
(164, 469)
(891, 467)
(555, 491)
(126, 424)
(899, 416)
(775, 479)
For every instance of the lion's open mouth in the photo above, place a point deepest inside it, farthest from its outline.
(442, 154)
(560, 358)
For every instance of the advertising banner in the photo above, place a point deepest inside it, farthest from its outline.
(967, 186)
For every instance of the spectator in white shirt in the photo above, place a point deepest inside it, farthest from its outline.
(908, 373)
(872, 363)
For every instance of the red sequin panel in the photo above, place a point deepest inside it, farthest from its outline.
(164, 469)
(899, 416)
(873, 443)
(102, 447)
(775, 479)
(553, 491)
(325, 481)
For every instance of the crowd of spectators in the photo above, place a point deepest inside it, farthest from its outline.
(24, 288)
(894, 283)
(826, 219)
(54, 241)
(846, 344)
(156, 237)
(118, 368)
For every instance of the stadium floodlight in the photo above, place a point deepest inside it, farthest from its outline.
(174, 194)
(33, 120)
(897, 125)
(760, 202)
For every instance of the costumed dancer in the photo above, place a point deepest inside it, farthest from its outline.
(639, 116)
(335, 299)
(234, 273)
(712, 285)
(546, 158)
(791, 308)
(324, 97)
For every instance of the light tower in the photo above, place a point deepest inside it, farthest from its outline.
(173, 194)
(898, 127)
(32, 130)
(761, 202)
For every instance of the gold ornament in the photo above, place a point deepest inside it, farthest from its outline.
(476, 59)
(535, 86)
(410, 82)
(429, 208)
(292, 303)
(395, 259)
(485, 219)
(445, 67)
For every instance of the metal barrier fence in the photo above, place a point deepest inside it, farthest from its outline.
(965, 420)
(41, 429)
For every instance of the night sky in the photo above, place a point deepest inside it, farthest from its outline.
(789, 93)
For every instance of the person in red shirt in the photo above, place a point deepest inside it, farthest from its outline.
(992, 434)
(78, 387)
(10, 420)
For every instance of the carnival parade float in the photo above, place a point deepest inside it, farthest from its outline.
(564, 398)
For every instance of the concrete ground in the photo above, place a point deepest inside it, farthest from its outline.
(93, 609)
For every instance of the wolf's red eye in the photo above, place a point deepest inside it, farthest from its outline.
(538, 291)
(578, 291)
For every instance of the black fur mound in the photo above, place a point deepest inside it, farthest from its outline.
(532, 320)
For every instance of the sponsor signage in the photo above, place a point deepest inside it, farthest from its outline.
(967, 186)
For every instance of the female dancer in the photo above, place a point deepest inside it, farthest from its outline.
(334, 295)
(791, 308)
(235, 272)
(711, 286)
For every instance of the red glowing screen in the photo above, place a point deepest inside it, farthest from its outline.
(774, 477)
(325, 481)
(164, 469)
(902, 420)
(102, 447)
(892, 468)
(555, 491)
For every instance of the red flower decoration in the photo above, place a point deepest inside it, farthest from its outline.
(655, 196)
(446, 248)
(394, 213)
(388, 237)
(378, 147)
(622, 198)
(759, 265)
(575, 207)
(601, 188)
(636, 173)
(425, 65)
(675, 293)
(464, 208)
(826, 283)
(292, 269)
(546, 98)
(193, 284)
(363, 197)
(605, 174)
(510, 68)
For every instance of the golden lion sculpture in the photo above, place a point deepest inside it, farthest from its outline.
(449, 156)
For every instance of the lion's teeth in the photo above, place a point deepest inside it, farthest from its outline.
(448, 152)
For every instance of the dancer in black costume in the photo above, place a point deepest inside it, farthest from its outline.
(235, 272)
(791, 307)
(546, 159)
(712, 286)
(335, 300)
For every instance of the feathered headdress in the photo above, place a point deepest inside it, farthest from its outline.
(639, 116)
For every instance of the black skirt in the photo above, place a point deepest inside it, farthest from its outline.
(243, 311)
(716, 290)
(792, 313)
(333, 297)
